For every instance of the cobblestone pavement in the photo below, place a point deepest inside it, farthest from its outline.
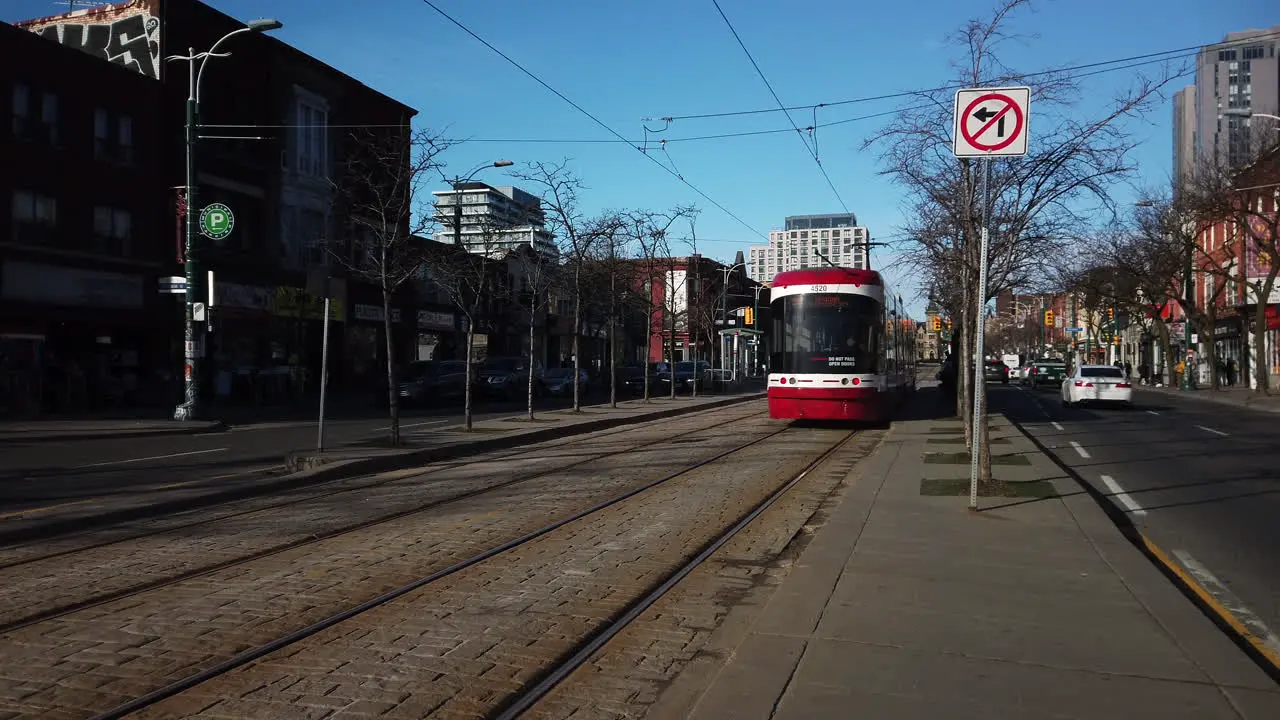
(36, 586)
(96, 658)
(628, 676)
(460, 647)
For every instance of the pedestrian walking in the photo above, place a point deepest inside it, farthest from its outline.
(1128, 370)
(1231, 372)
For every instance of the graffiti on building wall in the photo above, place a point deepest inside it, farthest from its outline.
(132, 41)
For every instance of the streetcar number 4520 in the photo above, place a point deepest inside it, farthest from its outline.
(818, 288)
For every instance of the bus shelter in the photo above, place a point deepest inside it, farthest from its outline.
(741, 354)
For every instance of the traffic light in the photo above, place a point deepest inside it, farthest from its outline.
(1116, 340)
(1111, 314)
(937, 324)
(750, 316)
(948, 323)
(1048, 318)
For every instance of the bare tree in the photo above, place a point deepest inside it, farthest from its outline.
(1033, 200)
(381, 178)
(613, 281)
(540, 274)
(653, 249)
(469, 276)
(578, 236)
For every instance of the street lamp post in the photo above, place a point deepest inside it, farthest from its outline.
(457, 196)
(190, 405)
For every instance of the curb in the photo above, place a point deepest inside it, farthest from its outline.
(1235, 630)
(216, 427)
(345, 469)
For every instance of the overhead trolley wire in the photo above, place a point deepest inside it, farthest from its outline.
(593, 118)
(812, 150)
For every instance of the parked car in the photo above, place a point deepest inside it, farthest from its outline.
(558, 382)
(631, 381)
(995, 371)
(1048, 372)
(1097, 383)
(433, 381)
(506, 378)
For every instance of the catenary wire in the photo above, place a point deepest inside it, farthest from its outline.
(812, 151)
(593, 118)
(694, 138)
(1190, 50)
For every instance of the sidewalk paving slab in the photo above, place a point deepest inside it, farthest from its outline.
(911, 606)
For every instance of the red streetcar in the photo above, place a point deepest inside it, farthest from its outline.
(841, 346)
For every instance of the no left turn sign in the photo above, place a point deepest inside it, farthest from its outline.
(991, 122)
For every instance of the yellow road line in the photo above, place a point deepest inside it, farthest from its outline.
(1240, 628)
(32, 511)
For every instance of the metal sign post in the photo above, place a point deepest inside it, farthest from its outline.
(324, 374)
(988, 122)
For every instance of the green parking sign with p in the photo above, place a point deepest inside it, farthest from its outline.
(216, 221)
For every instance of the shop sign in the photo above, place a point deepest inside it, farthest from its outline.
(298, 303)
(372, 313)
(71, 287)
(433, 320)
(244, 297)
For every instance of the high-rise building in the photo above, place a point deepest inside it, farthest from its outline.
(1234, 79)
(811, 241)
(493, 218)
(1184, 135)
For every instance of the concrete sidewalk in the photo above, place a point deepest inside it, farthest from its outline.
(907, 605)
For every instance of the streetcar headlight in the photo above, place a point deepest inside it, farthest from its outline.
(793, 381)
(844, 381)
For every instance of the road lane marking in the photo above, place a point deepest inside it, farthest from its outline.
(1209, 429)
(46, 508)
(1152, 412)
(1224, 602)
(405, 427)
(1118, 493)
(146, 459)
(1083, 453)
(1057, 425)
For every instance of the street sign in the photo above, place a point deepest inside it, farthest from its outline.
(1075, 330)
(216, 221)
(172, 285)
(991, 122)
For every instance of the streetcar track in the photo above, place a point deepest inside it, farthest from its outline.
(256, 653)
(433, 469)
(591, 645)
(139, 589)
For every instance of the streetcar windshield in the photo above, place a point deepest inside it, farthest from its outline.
(826, 333)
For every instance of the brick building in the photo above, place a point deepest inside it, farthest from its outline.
(269, 147)
(82, 228)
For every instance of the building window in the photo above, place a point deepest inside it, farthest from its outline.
(101, 134)
(311, 140)
(34, 216)
(124, 139)
(21, 110)
(112, 231)
(49, 118)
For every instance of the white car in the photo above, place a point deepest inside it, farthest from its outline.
(1097, 383)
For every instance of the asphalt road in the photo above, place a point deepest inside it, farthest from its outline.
(36, 476)
(1200, 479)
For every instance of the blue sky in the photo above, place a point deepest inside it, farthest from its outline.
(624, 61)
